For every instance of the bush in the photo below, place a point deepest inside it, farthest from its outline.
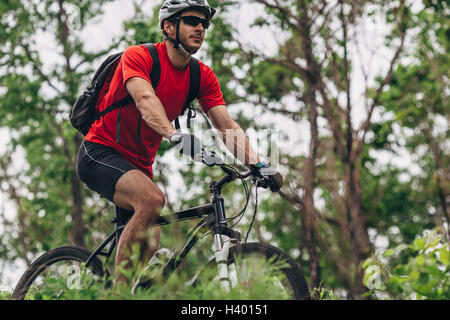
(411, 271)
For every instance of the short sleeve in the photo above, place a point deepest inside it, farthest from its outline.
(136, 62)
(210, 94)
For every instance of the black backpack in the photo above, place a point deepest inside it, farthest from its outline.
(84, 113)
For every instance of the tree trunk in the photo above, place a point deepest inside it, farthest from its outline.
(77, 208)
(309, 174)
(358, 226)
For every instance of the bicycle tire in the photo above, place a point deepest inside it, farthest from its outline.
(290, 269)
(46, 260)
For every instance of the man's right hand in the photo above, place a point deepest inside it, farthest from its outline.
(176, 138)
(272, 178)
(185, 143)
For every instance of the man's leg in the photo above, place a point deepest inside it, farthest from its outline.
(135, 191)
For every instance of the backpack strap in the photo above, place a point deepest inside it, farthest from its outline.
(156, 68)
(194, 87)
(154, 77)
(155, 74)
(114, 106)
(119, 115)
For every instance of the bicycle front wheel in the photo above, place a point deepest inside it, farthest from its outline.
(58, 274)
(259, 271)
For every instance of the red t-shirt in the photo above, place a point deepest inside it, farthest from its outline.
(172, 90)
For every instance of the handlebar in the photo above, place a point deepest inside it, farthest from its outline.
(188, 144)
(262, 177)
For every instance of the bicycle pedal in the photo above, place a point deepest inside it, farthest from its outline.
(161, 257)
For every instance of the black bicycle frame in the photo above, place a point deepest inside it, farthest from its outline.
(213, 215)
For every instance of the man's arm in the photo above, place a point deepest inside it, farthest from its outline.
(232, 135)
(149, 106)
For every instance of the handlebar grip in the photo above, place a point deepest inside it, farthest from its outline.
(276, 182)
(273, 179)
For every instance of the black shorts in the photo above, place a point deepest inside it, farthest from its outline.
(100, 167)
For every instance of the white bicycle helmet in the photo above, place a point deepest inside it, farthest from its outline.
(171, 8)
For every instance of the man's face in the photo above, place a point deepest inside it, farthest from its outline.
(191, 36)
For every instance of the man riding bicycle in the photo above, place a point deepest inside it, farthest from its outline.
(121, 169)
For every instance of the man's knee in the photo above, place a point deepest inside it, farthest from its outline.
(155, 199)
(150, 200)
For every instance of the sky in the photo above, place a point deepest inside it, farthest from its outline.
(101, 34)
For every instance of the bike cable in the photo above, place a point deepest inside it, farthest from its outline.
(247, 196)
(254, 214)
(240, 215)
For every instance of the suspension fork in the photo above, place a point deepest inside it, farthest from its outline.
(221, 241)
(224, 239)
(222, 249)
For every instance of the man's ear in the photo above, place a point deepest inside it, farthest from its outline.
(169, 28)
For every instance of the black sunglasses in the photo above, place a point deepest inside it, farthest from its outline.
(194, 21)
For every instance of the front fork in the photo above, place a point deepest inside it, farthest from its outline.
(224, 238)
(227, 272)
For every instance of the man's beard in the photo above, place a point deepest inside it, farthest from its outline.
(191, 49)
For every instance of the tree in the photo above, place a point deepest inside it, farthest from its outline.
(36, 96)
(314, 66)
(418, 97)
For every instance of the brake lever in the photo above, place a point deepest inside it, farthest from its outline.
(260, 182)
(263, 183)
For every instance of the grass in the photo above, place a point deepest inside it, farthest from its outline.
(259, 285)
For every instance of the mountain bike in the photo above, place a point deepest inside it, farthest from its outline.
(235, 264)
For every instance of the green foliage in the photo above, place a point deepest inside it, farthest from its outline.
(35, 103)
(323, 293)
(143, 28)
(5, 295)
(419, 270)
(262, 283)
(36, 97)
(270, 80)
(391, 203)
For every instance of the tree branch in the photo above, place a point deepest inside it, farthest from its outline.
(38, 69)
(285, 11)
(64, 35)
(362, 131)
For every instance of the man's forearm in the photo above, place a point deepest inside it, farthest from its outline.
(154, 115)
(236, 141)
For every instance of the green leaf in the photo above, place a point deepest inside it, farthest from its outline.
(444, 255)
(389, 252)
(419, 244)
